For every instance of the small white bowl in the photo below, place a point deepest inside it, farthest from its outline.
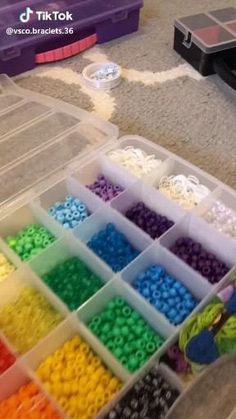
(104, 76)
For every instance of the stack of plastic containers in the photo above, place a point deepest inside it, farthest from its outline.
(51, 153)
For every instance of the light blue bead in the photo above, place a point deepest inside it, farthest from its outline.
(73, 207)
(69, 198)
(76, 215)
(67, 204)
(69, 217)
(81, 208)
(60, 218)
(52, 211)
(58, 205)
(66, 226)
(74, 223)
(77, 201)
(83, 216)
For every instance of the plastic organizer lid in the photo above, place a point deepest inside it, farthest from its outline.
(85, 14)
(211, 32)
(40, 137)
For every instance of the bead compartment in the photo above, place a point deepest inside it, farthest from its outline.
(67, 187)
(63, 250)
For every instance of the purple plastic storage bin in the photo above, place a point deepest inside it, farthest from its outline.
(102, 19)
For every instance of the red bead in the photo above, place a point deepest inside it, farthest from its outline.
(6, 358)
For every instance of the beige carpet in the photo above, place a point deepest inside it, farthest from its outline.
(161, 98)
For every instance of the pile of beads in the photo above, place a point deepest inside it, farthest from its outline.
(222, 218)
(123, 331)
(104, 188)
(6, 357)
(150, 398)
(135, 160)
(196, 256)
(165, 293)
(70, 213)
(30, 241)
(28, 319)
(113, 247)
(187, 191)
(73, 282)
(80, 383)
(27, 403)
(149, 221)
(6, 267)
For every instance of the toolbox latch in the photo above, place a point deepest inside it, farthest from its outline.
(119, 16)
(10, 53)
(187, 42)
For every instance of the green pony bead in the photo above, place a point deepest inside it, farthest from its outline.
(74, 283)
(28, 239)
(126, 334)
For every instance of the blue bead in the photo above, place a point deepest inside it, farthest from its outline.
(169, 280)
(177, 320)
(158, 305)
(145, 292)
(171, 302)
(165, 308)
(180, 306)
(156, 295)
(69, 217)
(172, 313)
(173, 292)
(165, 295)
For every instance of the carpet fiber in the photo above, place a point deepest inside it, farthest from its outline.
(161, 97)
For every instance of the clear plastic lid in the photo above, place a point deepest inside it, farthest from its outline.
(212, 32)
(41, 136)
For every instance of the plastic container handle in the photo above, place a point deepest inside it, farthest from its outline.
(66, 51)
(225, 72)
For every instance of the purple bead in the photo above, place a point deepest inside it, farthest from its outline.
(105, 189)
(148, 220)
(199, 259)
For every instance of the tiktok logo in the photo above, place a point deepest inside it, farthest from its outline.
(25, 16)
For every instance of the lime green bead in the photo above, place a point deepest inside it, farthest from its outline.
(28, 239)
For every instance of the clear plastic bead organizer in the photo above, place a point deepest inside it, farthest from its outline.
(49, 149)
